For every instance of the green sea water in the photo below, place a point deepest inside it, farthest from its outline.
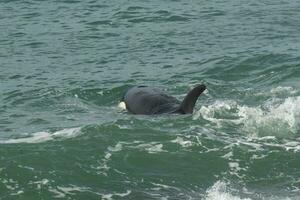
(65, 64)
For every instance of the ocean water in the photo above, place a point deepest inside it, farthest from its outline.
(65, 64)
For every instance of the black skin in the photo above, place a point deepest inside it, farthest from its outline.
(145, 100)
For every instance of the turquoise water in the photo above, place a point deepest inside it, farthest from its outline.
(64, 66)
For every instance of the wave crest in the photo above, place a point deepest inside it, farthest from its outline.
(276, 117)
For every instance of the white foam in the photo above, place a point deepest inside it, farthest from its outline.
(288, 145)
(109, 196)
(118, 147)
(102, 166)
(159, 186)
(44, 136)
(222, 191)
(273, 118)
(10, 184)
(152, 147)
(218, 112)
(182, 142)
(219, 191)
(62, 191)
(155, 148)
(283, 90)
(234, 165)
(17, 193)
(228, 155)
(40, 183)
(71, 189)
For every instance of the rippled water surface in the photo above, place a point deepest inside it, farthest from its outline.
(64, 66)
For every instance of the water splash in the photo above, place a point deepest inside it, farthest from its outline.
(220, 191)
(280, 119)
(275, 117)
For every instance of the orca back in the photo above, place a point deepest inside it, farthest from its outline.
(148, 101)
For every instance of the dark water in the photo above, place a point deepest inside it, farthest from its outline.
(65, 64)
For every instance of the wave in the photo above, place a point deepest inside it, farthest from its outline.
(44, 136)
(280, 119)
(274, 117)
(220, 191)
(223, 191)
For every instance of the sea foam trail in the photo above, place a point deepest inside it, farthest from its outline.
(274, 117)
(222, 191)
(219, 191)
(44, 136)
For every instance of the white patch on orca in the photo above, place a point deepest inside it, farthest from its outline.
(122, 105)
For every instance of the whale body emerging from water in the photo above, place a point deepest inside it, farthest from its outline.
(145, 100)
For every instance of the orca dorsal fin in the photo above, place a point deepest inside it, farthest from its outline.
(188, 103)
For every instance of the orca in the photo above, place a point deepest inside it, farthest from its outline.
(144, 100)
